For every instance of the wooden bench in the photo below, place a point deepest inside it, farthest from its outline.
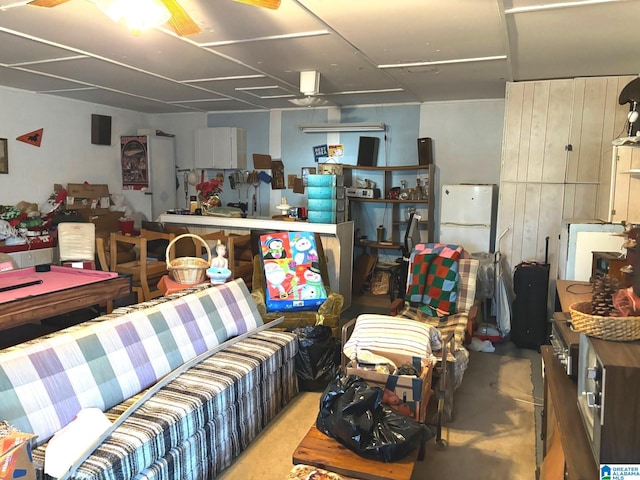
(319, 450)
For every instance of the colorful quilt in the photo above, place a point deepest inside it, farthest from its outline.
(291, 271)
(433, 278)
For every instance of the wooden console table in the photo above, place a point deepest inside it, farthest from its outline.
(321, 451)
(572, 291)
(566, 450)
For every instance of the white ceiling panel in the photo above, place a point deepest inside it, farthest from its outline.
(244, 49)
(581, 41)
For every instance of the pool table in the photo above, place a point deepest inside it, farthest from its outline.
(28, 296)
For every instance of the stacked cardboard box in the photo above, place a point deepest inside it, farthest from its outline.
(406, 393)
(326, 199)
(92, 202)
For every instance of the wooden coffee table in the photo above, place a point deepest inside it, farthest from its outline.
(319, 450)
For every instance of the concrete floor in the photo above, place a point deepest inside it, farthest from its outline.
(494, 432)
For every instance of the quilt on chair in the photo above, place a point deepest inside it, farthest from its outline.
(433, 278)
(455, 323)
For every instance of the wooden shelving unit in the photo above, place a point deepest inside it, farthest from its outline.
(398, 223)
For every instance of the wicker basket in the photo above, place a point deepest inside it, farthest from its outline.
(621, 329)
(188, 270)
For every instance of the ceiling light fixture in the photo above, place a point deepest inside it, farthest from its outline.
(359, 92)
(138, 15)
(444, 62)
(286, 36)
(342, 127)
(309, 82)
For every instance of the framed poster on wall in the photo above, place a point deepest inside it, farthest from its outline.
(135, 162)
(4, 156)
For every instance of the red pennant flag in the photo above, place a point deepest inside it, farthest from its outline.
(32, 138)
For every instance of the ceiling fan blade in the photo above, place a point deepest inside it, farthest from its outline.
(272, 4)
(47, 3)
(180, 20)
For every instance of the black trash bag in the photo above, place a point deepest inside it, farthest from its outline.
(352, 412)
(318, 357)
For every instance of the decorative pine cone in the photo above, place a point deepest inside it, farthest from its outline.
(604, 287)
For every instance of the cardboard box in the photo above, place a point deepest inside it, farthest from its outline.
(93, 197)
(408, 394)
(15, 456)
(330, 168)
(104, 221)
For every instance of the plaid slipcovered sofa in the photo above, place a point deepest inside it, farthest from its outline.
(191, 428)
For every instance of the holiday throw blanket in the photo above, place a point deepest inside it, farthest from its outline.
(433, 278)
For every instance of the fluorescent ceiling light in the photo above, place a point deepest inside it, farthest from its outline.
(551, 6)
(444, 62)
(220, 79)
(358, 92)
(342, 127)
(265, 87)
(286, 36)
(138, 15)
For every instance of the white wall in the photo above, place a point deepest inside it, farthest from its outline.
(467, 141)
(65, 153)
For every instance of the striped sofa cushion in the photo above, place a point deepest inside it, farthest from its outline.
(44, 383)
(226, 395)
(391, 336)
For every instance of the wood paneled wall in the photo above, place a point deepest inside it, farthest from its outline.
(556, 161)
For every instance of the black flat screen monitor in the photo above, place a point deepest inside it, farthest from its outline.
(412, 235)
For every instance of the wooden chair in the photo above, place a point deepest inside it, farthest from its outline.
(102, 263)
(242, 258)
(238, 250)
(145, 273)
(76, 243)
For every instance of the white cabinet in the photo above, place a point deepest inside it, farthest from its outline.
(625, 185)
(221, 147)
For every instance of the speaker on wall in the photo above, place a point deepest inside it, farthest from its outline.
(100, 129)
(368, 151)
(425, 151)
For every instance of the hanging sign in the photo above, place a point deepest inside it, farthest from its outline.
(320, 152)
(32, 138)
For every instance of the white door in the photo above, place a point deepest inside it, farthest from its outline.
(162, 166)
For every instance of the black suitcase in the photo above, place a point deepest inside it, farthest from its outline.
(529, 326)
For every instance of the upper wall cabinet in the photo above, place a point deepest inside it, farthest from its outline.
(221, 147)
(560, 130)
